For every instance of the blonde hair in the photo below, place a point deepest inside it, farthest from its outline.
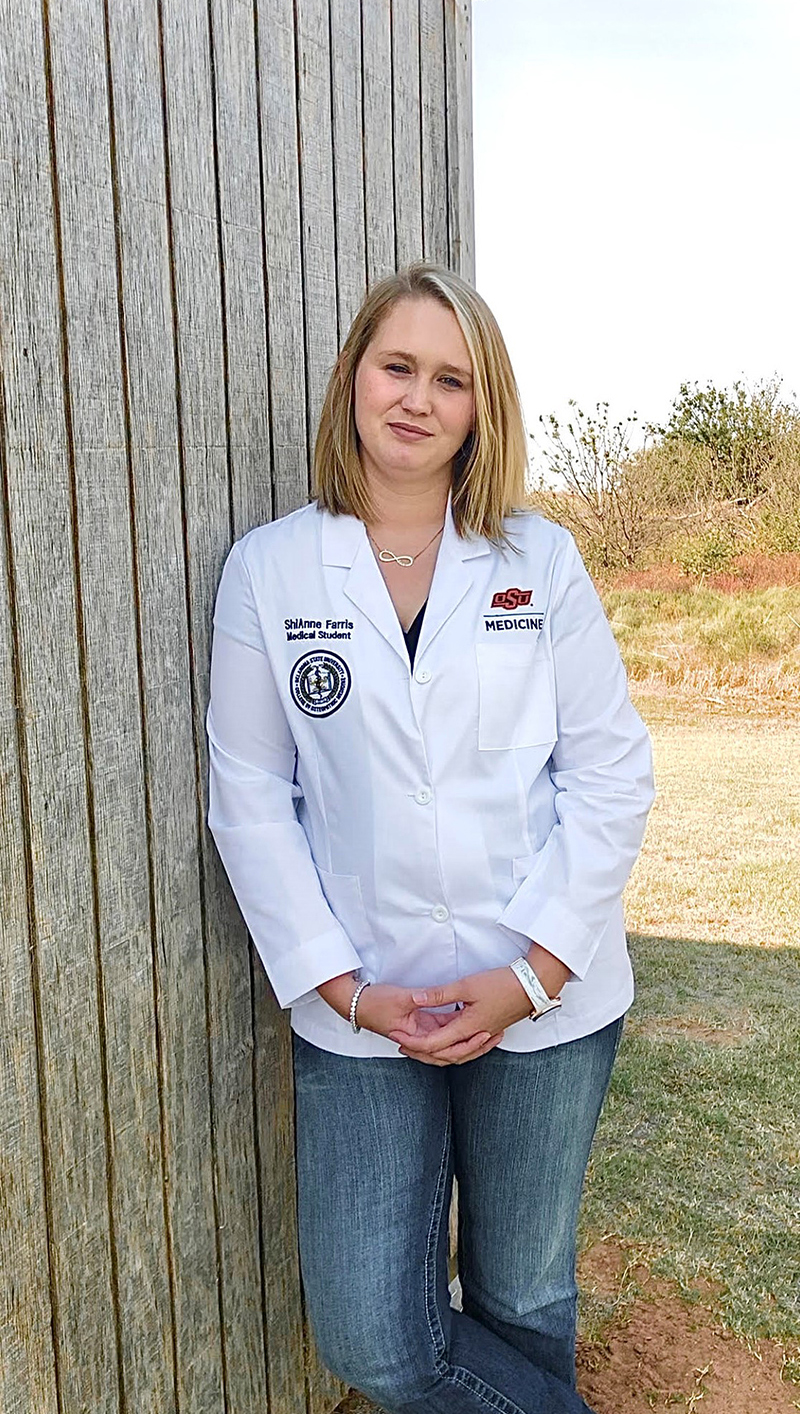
(489, 469)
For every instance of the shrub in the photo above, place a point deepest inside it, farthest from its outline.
(741, 428)
(707, 553)
(777, 531)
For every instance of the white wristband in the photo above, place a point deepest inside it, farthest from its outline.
(537, 995)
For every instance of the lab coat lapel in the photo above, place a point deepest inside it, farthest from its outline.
(345, 543)
(453, 576)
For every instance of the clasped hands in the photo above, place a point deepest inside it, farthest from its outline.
(490, 1001)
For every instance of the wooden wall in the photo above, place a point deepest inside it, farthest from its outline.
(193, 195)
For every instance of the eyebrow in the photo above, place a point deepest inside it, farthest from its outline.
(409, 358)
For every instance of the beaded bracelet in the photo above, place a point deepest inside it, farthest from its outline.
(354, 1003)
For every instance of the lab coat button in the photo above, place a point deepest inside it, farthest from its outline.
(440, 914)
(423, 796)
(423, 675)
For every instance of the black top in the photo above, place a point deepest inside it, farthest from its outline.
(411, 634)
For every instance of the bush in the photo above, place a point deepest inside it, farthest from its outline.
(777, 531)
(742, 430)
(722, 477)
(707, 553)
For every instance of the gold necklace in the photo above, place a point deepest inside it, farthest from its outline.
(389, 557)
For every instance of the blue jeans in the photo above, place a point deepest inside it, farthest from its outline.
(378, 1142)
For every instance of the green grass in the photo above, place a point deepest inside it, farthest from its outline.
(697, 1160)
(696, 1167)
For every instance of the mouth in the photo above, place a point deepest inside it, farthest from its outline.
(408, 432)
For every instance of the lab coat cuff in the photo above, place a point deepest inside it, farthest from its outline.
(296, 974)
(556, 928)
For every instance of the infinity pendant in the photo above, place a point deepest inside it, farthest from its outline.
(389, 558)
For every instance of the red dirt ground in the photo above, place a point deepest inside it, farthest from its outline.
(664, 1354)
(744, 572)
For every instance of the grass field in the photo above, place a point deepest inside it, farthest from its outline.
(696, 1169)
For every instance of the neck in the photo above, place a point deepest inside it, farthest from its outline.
(409, 507)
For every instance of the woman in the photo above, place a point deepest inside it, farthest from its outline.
(428, 787)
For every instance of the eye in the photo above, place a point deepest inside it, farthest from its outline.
(397, 368)
(451, 381)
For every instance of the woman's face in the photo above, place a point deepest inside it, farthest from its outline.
(414, 399)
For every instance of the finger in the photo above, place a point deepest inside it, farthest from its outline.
(460, 1049)
(459, 1055)
(460, 1027)
(425, 1060)
(438, 996)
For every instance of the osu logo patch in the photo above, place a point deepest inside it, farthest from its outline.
(511, 598)
(319, 683)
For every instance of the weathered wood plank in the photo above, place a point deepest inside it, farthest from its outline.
(275, 1119)
(200, 313)
(245, 285)
(406, 131)
(169, 322)
(27, 1373)
(316, 201)
(458, 54)
(79, 94)
(283, 246)
(348, 154)
(62, 943)
(144, 238)
(376, 32)
(434, 131)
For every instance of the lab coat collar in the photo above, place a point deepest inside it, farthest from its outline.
(345, 543)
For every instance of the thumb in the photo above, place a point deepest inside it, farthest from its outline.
(437, 996)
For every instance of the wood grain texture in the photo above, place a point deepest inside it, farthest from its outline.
(109, 631)
(316, 197)
(54, 763)
(458, 62)
(151, 382)
(243, 262)
(348, 156)
(434, 131)
(376, 31)
(279, 1255)
(27, 1356)
(406, 131)
(283, 246)
(171, 309)
(199, 292)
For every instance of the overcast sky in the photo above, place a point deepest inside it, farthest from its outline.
(637, 165)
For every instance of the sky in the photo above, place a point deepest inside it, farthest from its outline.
(637, 170)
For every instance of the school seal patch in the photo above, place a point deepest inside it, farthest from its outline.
(319, 683)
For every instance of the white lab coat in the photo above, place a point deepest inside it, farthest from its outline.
(424, 826)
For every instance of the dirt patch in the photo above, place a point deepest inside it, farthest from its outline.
(659, 1353)
(664, 1027)
(752, 571)
(662, 1354)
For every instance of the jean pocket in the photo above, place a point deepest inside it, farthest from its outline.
(517, 697)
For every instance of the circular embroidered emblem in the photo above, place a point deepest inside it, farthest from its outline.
(319, 683)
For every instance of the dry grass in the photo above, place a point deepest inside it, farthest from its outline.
(720, 861)
(703, 642)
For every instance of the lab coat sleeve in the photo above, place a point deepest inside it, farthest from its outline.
(601, 767)
(252, 805)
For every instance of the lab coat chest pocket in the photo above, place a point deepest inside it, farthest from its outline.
(343, 892)
(517, 698)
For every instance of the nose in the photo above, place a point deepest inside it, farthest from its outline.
(416, 397)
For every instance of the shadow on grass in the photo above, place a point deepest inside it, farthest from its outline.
(696, 1165)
